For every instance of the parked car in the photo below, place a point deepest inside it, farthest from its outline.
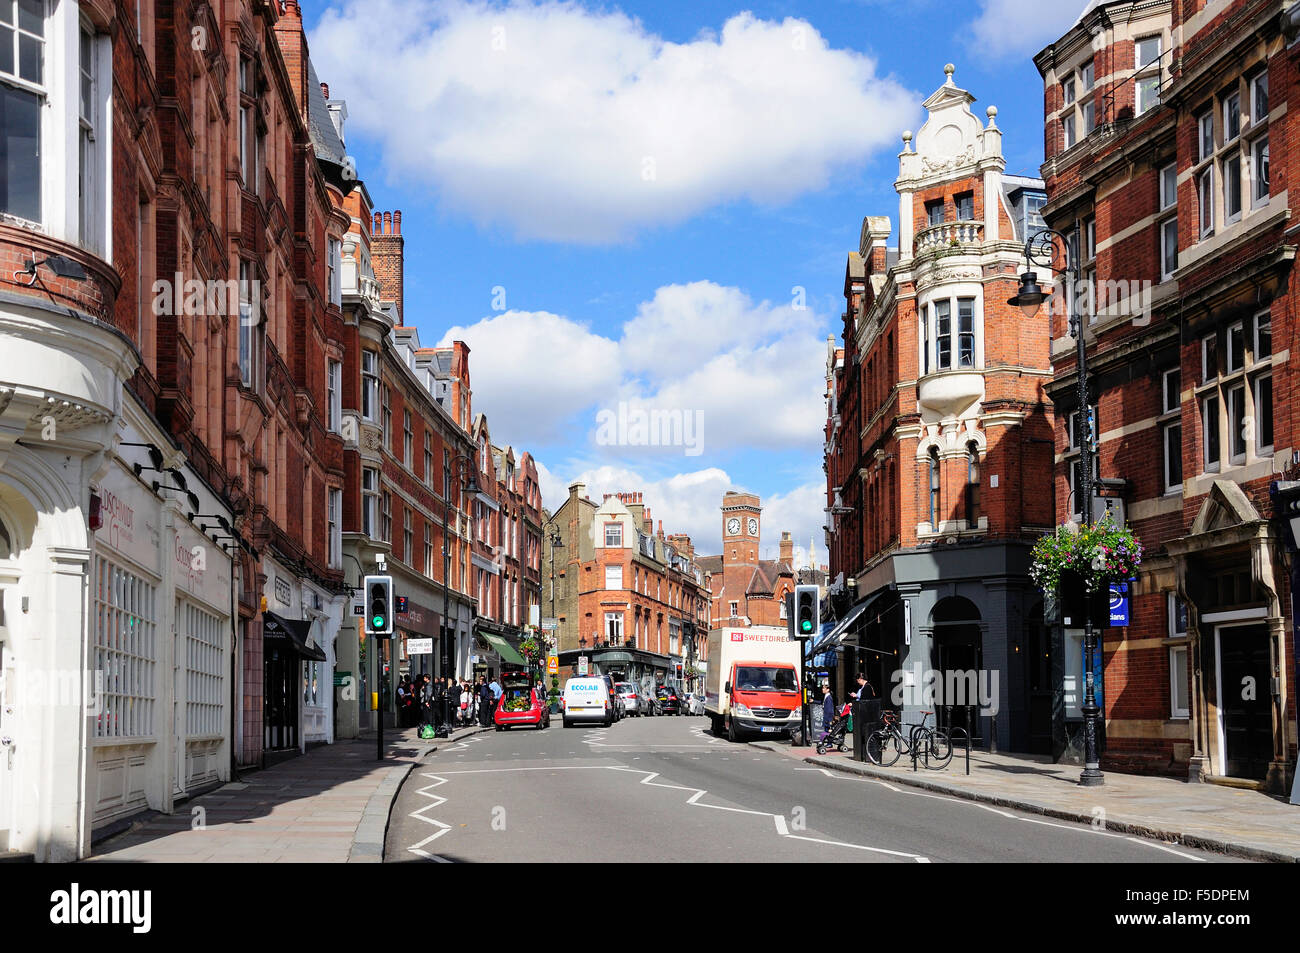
(668, 701)
(522, 705)
(617, 701)
(586, 699)
(634, 702)
(695, 703)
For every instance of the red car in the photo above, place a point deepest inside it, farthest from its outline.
(521, 704)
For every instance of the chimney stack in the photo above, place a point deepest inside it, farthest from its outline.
(386, 245)
(787, 549)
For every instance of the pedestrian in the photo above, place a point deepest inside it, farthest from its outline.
(865, 692)
(464, 702)
(497, 692)
(828, 706)
(426, 700)
(484, 701)
(404, 702)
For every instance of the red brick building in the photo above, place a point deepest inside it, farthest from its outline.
(632, 599)
(744, 589)
(938, 438)
(1161, 123)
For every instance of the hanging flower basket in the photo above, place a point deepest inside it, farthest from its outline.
(1098, 553)
(530, 648)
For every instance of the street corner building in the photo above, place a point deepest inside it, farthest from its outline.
(215, 420)
(631, 600)
(1161, 123)
(938, 450)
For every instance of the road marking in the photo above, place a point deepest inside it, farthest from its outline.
(418, 814)
(1138, 840)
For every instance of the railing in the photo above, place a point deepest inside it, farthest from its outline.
(948, 235)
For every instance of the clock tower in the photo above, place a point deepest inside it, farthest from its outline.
(740, 528)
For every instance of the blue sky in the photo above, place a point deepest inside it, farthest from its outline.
(650, 203)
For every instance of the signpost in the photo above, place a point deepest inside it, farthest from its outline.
(552, 665)
(582, 665)
(550, 625)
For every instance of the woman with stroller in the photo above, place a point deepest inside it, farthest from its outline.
(828, 706)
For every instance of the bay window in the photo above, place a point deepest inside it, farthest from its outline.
(334, 394)
(947, 345)
(369, 501)
(369, 385)
(22, 93)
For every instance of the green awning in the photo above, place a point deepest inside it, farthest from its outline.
(504, 649)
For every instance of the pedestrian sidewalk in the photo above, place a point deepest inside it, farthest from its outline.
(1229, 820)
(329, 805)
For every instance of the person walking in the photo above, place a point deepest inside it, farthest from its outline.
(497, 692)
(484, 702)
(828, 706)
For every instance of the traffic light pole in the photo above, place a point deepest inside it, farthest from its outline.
(379, 707)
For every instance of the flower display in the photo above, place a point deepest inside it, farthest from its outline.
(1099, 552)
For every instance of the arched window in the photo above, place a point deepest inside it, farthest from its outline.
(972, 485)
(6, 544)
(934, 489)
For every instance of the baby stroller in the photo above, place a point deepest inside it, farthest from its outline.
(833, 737)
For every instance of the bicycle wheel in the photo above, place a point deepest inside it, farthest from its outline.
(938, 748)
(883, 748)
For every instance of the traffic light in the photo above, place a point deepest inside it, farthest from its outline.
(807, 611)
(679, 670)
(379, 601)
(401, 605)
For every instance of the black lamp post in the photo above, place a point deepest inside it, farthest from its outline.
(1042, 250)
(455, 476)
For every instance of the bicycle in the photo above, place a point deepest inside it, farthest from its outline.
(931, 744)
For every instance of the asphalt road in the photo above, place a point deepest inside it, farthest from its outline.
(664, 789)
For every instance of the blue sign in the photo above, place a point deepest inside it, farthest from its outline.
(1119, 604)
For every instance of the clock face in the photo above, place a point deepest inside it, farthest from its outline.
(733, 526)
(753, 526)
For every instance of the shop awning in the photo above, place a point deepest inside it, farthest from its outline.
(504, 649)
(293, 634)
(841, 628)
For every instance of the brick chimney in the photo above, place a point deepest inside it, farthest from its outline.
(386, 256)
(787, 549)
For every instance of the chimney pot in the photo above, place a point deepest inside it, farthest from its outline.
(388, 223)
(377, 225)
(325, 90)
(397, 222)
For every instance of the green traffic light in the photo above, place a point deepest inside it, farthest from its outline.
(377, 622)
(806, 625)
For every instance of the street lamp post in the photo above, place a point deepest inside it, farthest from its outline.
(1041, 249)
(454, 475)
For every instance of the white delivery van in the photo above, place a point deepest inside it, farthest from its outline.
(752, 683)
(587, 699)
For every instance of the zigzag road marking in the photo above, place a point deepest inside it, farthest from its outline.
(418, 814)
(648, 779)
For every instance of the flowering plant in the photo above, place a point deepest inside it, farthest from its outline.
(1098, 552)
(530, 648)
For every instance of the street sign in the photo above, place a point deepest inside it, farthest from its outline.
(552, 665)
(342, 678)
(582, 665)
(1119, 604)
(550, 625)
(419, 646)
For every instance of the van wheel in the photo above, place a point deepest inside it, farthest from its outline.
(732, 735)
(567, 723)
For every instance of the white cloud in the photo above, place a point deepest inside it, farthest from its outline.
(563, 123)
(755, 371)
(689, 502)
(1022, 27)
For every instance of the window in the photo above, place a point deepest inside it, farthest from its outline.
(1263, 336)
(1205, 200)
(1263, 418)
(408, 439)
(428, 458)
(247, 125)
(1209, 357)
(972, 485)
(1235, 356)
(1171, 430)
(1086, 76)
(614, 628)
(334, 394)
(1146, 92)
(926, 317)
(386, 423)
(934, 489)
(1178, 683)
(1169, 227)
(428, 549)
(613, 535)
(943, 334)
(251, 329)
(1205, 124)
(1067, 91)
(87, 172)
(408, 537)
(1231, 188)
(205, 668)
(965, 207)
(1231, 117)
(1147, 51)
(369, 500)
(1210, 432)
(22, 93)
(1088, 277)
(369, 385)
(613, 577)
(1259, 98)
(1259, 187)
(386, 516)
(333, 263)
(934, 212)
(735, 610)
(125, 622)
(1067, 131)
(966, 332)
(333, 512)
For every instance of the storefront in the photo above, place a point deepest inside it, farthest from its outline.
(418, 623)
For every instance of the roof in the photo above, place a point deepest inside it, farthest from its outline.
(324, 136)
(766, 573)
(709, 563)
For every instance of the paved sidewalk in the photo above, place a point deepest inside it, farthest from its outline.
(1229, 820)
(329, 805)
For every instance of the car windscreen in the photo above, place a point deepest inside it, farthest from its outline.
(625, 687)
(763, 678)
